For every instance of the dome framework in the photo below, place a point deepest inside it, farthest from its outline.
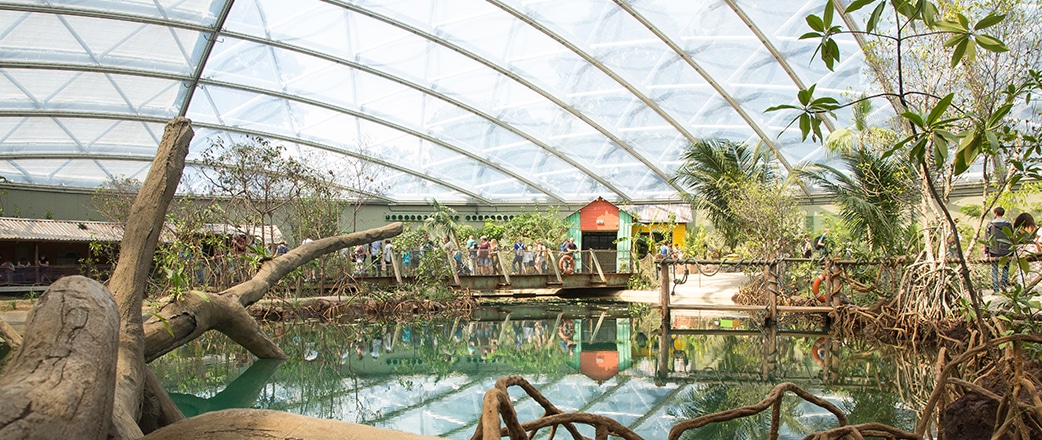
(461, 101)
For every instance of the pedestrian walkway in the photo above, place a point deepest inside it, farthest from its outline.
(699, 289)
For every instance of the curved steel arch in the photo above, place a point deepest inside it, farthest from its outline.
(505, 72)
(615, 77)
(712, 82)
(204, 57)
(386, 123)
(439, 95)
(161, 120)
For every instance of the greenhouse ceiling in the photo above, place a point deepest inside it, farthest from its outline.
(460, 101)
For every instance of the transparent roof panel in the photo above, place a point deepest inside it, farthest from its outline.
(461, 101)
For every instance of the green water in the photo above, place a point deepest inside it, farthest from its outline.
(430, 377)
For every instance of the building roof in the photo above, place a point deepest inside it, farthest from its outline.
(22, 229)
(58, 230)
(660, 213)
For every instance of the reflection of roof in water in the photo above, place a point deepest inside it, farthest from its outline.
(599, 365)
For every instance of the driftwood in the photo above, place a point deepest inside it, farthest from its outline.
(131, 273)
(61, 383)
(233, 424)
(81, 371)
(181, 321)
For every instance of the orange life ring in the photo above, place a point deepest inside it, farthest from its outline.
(818, 352)
(567, 264)
(816, 287)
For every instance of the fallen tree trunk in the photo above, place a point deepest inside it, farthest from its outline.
(81, 372)
(181, 321)
(232, 424)
(62, 381)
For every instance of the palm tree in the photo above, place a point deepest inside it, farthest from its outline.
(442, 222)
(712, 170)
(873, 195)
(861, 135)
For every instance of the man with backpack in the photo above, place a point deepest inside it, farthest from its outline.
(999, 244)
(821, 244)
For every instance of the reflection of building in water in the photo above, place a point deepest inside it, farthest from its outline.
(604, 347)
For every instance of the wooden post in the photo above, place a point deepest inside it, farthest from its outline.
(553, 263)
(396, 267)
(663, 342)
(502, 269)
(772, 287)
(455, 270)
(597, 265)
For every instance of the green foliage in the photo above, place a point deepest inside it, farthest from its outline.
(711, 172)
(933, 131)
(491, 230)
(771, 220)
(113, 198)
(700, 242)
(548, 226)
(873, 195)
(99, 260)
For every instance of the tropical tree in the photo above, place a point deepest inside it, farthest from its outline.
(873, 194)
(712, 170)
(255, 176)
(945, 128)
(771, 218)
(442, 222)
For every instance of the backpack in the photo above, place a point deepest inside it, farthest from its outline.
(819, 243)
(999, 244)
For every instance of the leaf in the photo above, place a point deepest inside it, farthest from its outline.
(815, 23)
(971, 50)
(929, 14)
(959, 53)
(855, 5)
(202, 295)
(991, 20)
(782, 107)
(918, 151)
(991, 43)
(914, 118)
(169, 329)
(951, 26)
(969, 149)
(873, 20)
(939, 109)
(811, 35)
(827, 17)
(998, 114)
(831, 53)
(805, 95)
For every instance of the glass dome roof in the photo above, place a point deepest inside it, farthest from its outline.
(460, 101)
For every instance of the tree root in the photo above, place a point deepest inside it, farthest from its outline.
(496, 408)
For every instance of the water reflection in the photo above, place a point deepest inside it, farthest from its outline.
(604, 358)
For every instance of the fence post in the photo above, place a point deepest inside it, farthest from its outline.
(663, 341)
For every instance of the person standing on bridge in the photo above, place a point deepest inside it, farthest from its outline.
(517, 265)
